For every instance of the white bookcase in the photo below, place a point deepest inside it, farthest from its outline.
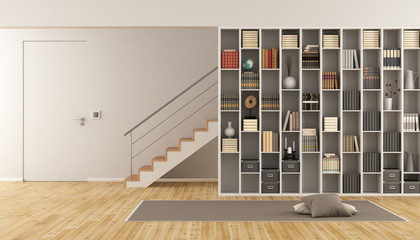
(309, 178)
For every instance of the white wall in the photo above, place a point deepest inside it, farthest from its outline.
(342, 13)
(132, 72)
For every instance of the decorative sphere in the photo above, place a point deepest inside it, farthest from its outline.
(229, 131)
(248, 64)
(289, 82)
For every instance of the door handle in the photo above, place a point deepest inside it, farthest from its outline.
(82, 121)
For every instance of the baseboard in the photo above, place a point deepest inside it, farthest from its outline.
(11, 179)
(187, 180)
(105, 180)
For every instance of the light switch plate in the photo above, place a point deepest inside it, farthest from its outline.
(96, 115)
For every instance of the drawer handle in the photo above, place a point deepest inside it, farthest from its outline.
(249, 166)
(270, 187)
(270, 175)
(412, 187)
(392, 175)
(392, 187)
(290, 166)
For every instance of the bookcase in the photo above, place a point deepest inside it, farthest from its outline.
(344, 135)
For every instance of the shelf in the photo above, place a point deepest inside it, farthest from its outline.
(351, 69)
(229, 152)
(290, 173)
(270, 69)
(250, 90)
(242, 48)
(372, 173)
(371, 90)
(331, 173)
(249, 131)
(331, 131)
(233, 111)
(330, 49)
(296, 131)
(405, 48)
(270, 110)
(270, 152)
(283, 48)
(311, 69)
(310, 152)
(290, 90)
(311, 110)
(411, 90)
(367, 49)
(390, 111)
(391, 152)
(330, 90)
(250, 173)
(229, 69)
(372, 131)
(411, 172)
(392, 69)
(351, 152)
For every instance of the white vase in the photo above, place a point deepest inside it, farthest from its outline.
(388, 103)
(289, 82)
(229, 131)
(410, 79)
(409, 163)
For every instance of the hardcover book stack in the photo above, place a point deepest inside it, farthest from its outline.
(330, 39)
(270, 141)
(230, 101)
(292, 120)
(392, 142)
(331, 124)
(250, 125)
(270, 102)
(230, 58)
(290, 39)
(330, 163)
(329, 80)
(229, 145)
(250, 80)
(392, 58)
(250, 39)
(411, 38)
(350, 59)
(310, 101)
(351, 183)
(371, 162)
(371, 78)
(350, 143)
(310, 57)
(371, 38)
(351, 100)
(269, 58)
(309, 140)
(371, 121)
(411, 122)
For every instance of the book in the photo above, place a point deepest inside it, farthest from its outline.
(286, 120)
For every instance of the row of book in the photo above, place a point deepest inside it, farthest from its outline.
(350, 143)
(392, 141)
(309, 140)
(411, 38)
(350, 59)
(371, 162)
(229, 145)
(229, 101)
(371, 121)
(351, 100)
(310, 56)
(330, 39)
(250, 80)
(270, 102)
(310, 101)
(270, 141)
(292, 120)
(250, 39)
(411, 122)
(250, 125)
(371, 38)
(269, 58)
(290, 39)
(230, 58)
(329, 80)
(371, 78)
(330, 163)
(351, 183)
(330, 124)
(392, 58)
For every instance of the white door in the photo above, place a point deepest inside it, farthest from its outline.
(55, 74)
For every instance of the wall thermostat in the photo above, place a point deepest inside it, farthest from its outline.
(96, 115)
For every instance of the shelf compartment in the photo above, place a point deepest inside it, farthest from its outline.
(331, 105)
(229, 39)
(229, 82)
(392, 161)
(351, 81)
(331, 143)
(294, 57)
(290, 183)
(249, 146)
(331, 183)
(392, 38)
(351, 163)
(371, 183)
(389, 78)
(330, 62)
(271, 161)
(229, 173)
(270, 121)
(229, 117)
(371, 142)
(250, 183)
(310, 173)
(392, 122)
(270, 82)
(411, 145)
(310, 82)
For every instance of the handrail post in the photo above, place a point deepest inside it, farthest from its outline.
(131, 155)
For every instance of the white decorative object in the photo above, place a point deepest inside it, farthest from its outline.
(410, 79)
(409, 163)
(229, 131)
(388, 103)
(289, 82)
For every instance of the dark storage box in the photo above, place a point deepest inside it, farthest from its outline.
(392, 187)
(270, 175)
(250, 166)
(392, 175)
(411, 187)
(270, 187)
(291, 166)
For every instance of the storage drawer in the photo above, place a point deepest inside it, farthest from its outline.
(392, 175)
(250, 166)
(411, 187)
(270, 187)
(270, 175)
(391, 187)
(290, 166)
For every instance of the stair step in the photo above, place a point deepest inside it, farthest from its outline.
(159, 159)
(200, 130)
(135, 178)
(146, 168)
(173, 149)
(186, 139)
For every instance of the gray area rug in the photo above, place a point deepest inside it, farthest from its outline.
(248, 211)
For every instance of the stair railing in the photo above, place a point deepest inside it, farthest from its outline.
(130, 132)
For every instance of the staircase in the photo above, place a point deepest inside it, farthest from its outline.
(147, 174)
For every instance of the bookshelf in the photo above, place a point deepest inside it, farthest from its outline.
(343, 73)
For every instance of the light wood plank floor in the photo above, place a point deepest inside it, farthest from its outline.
(70, 210)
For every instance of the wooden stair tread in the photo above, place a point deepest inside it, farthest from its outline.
(173, 149)
(186, 139)
(200, 130)
(135, 178)
(159, 159)
(146, 168)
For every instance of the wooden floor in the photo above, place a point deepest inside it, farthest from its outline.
(98, 211)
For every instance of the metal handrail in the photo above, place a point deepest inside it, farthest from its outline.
(170, 101)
